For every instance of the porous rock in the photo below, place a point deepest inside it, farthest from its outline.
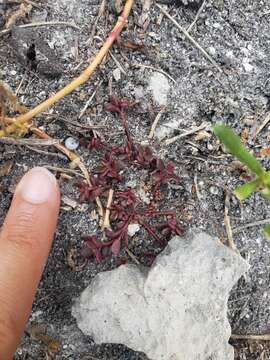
(177, 310)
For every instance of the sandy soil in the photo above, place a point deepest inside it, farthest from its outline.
(237, 36)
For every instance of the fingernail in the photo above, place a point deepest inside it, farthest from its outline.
(37, 185)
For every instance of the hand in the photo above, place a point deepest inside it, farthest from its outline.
(25, 242)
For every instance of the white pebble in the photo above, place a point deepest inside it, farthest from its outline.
(212, 50)
(117, 74)
(133, 229)
(214, 190)
(71, 143)
(247, 66)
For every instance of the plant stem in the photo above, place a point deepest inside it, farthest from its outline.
(85, 75)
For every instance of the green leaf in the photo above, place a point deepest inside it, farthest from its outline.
(267, 231)
(266, 192)
(267, 178)
(244, 191)
(234, 145)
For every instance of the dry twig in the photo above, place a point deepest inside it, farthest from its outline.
(197, 186)
(197, 16)
(155, 69)
(265, 337)
(261, 127)
(117, 63)
(42, 23)
(155, 122)
(186, 133)
(252, 224)
(89, 101)
(63, 170)
(132, 256)
(106, 220)
(190, 38)
(100, 13)
(29, 142)
(227, 222)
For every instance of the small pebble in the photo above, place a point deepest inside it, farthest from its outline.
(247, 66)
(214, 190)
(117, 74)
(71, 143)
(133, 229)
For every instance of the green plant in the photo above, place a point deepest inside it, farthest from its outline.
(261, 181)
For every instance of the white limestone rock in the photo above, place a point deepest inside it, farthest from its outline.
(177, 310)
(160, 87)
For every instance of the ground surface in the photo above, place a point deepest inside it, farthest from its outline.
(237, 35)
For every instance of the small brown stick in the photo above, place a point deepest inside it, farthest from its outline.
(255, 223)
(27, 142)
(155, 69)
(106, 220)
(89, 100)
(100, 13)
(77, 124)
(47, 153)
(117, 63)
(197, 186)
(260, 128)
(155, 122)
(197, 16)
(50, 23)
(19, 87)
(85, 75)
(132, 256)
(190, 38)
(186, 133)
(41, 23)
(63, 170)
(227, 222)
(265, 337)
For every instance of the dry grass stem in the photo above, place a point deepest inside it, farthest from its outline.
(94, 28)
(197, 186)
(117, 63)
(85, 75)
(155, 69)
(77, 124)
(190, 38)
(265, 337)
(262, 126)
(89, 101)
(186, 133)
(196, 17)
(42, 23)
(63, 170)
(155, 122)
(29, 142)
(252, 224)
(106, 220)
(47, 153)
(132, 256)
(227, 222)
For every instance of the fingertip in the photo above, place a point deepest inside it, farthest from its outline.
(25, 241)
(38, 186)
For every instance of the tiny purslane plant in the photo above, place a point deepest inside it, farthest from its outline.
(127, 208)
(261, 180)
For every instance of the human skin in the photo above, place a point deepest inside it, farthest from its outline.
(25, 241)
